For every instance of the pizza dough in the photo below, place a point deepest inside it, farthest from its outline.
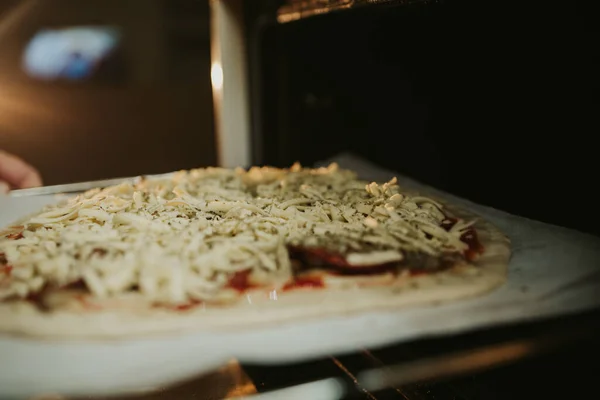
(232, 249)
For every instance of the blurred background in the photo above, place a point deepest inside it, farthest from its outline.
(501, 102)
(106, 88)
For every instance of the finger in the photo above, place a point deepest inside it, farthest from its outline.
(18, 173)
(4, 188)
(32, 179)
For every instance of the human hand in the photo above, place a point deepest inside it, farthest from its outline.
(16, 173)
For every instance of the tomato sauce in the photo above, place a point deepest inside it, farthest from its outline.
(6, 269)
(179, 307)
(187, 306)
(304, 282)
(475, 247)
(469, 237)
(240, 281)
(82, 298)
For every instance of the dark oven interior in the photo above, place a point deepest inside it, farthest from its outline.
(494, 101)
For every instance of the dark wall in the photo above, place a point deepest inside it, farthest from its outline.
(155, 115)
(75, 135)
(495, 101)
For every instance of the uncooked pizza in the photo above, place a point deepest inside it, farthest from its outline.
(216, 248)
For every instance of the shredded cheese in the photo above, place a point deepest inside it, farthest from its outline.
(180, 239)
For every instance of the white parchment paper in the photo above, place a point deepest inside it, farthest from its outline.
(553, 271)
